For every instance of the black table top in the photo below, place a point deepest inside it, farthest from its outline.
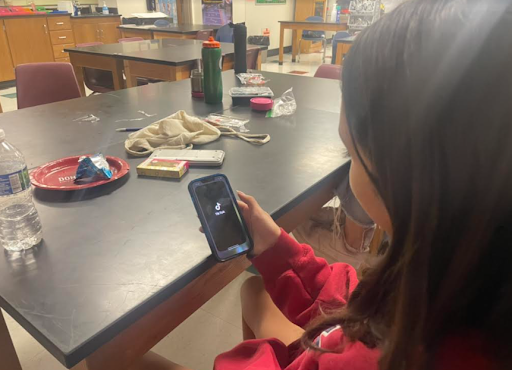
(186, 29)
(173, 52)
(112, 253)
(309, 22)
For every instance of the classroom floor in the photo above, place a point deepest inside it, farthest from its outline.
(215, 327)
(8, 99)
(307, 67)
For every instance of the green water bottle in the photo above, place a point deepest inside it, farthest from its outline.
(212, 71)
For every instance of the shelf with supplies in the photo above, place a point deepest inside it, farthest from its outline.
(363, 13)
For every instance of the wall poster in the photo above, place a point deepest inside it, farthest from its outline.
(217, 12)
(168, 7)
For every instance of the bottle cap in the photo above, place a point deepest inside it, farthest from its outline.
(262, 104)
(211, 43)
(2, 135)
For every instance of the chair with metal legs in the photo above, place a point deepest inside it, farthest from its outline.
(314, 36)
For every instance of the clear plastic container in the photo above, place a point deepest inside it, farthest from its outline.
(20, 227)
(243, 95)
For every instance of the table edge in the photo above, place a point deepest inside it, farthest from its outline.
(81, 352)
(156, 29)
(151, 61)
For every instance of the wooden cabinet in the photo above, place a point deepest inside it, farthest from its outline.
(6, 66)
(62, 37)
(85, 32)
(96, 30)
(58, 50)
(33, 39)
(29, 40)
(109, 33)
(145, 34)
(59, 23)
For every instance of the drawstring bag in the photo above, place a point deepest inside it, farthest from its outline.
(181, 131)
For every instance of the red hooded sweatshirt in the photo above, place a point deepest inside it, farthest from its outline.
(299, 283)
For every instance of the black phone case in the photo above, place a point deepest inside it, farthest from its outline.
(203, 222)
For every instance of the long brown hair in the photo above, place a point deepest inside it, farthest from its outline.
(427, 92)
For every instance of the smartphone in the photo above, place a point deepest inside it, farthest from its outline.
(222, 221)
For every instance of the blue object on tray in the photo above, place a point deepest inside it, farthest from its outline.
(93, 167)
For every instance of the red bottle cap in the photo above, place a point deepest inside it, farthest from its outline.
(211, 43)
(262, 104)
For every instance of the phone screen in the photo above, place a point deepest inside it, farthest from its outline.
(222, 222)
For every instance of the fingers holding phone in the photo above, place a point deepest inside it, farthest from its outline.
(262, 227)
(221, 218)
(232, 227)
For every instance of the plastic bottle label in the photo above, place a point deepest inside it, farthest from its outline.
(15, 182)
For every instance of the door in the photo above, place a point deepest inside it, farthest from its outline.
(29, 40)
(109, 33)
(6, 67)
(86, 32)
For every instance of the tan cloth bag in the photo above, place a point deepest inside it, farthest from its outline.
(181, 131)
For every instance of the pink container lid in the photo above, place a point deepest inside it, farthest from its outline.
(197, 94)
(263, 104)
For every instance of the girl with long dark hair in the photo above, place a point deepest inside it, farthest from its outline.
(427, 121)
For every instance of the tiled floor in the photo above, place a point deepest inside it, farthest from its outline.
(309, 63)
(8, 99)
(214, 328)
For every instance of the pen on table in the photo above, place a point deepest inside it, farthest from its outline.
(126, 129)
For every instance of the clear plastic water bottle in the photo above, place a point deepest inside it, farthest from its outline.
(105, 8)
(20, 227)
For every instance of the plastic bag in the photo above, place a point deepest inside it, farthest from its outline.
(250, 91)
(285, 105)
(93, 167)
(227, 121)
(252, 79)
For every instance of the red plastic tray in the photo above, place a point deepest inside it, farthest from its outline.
(60, 174)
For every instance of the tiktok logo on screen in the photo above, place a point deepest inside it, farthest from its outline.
(219, 211)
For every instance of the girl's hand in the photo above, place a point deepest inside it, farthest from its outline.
(263, 229)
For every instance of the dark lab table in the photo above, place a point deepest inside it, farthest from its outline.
(122, 265)
(163, 59)
(340, 48)
(177, 31)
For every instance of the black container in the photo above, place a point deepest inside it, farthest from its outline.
(245, 100)
(240, 38)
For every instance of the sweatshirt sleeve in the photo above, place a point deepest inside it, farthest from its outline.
(301, 284)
